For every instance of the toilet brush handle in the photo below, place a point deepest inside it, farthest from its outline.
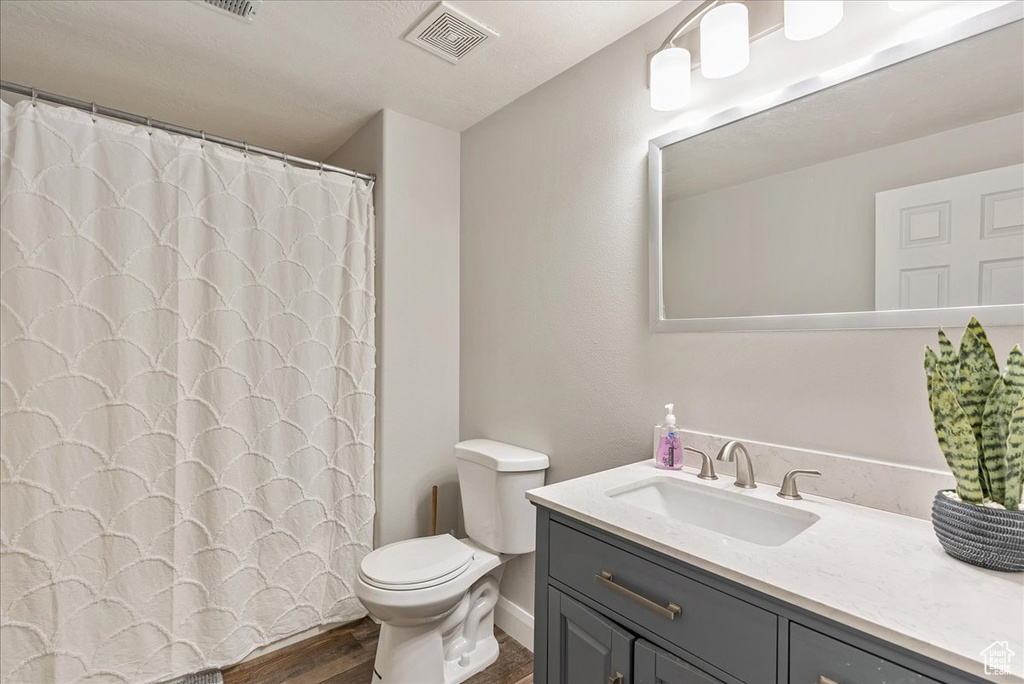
(433, 510)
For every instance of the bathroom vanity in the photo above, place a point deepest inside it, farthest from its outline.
(647, 576)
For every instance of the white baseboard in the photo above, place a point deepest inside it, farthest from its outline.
(515, 620)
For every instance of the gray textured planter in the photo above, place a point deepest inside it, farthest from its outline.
(990, 538)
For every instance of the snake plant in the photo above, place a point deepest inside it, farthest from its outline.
(979, 416)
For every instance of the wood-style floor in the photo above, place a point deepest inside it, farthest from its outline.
(345, 654)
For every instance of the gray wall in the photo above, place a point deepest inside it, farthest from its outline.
(804, 241)
(557, 353)
(417, 206)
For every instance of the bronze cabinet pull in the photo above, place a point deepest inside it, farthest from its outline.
(671, 611)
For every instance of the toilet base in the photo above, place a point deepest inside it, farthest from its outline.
(446, 651)
(485, 654)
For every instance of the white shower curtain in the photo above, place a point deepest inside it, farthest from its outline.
(187, 399)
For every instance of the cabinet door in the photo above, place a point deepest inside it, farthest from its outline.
(651, 665)
(584, 647)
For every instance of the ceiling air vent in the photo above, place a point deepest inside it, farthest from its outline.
(449, 34)
(246, 9)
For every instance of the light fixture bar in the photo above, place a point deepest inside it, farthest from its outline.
(687, 23)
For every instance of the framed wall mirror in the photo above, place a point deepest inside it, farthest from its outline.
(890, 196)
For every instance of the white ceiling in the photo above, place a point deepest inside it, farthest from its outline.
(306, 74)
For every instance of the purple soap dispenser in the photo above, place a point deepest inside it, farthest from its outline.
(668, 455)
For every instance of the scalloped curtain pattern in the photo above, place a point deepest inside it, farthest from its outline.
(187, 399)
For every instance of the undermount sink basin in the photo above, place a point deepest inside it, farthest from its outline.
(731, 514)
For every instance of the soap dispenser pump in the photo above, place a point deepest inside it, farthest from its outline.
(668, 455)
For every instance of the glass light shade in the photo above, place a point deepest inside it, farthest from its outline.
(724, 41)
(908, 5)
(806, 19)
(670, 79)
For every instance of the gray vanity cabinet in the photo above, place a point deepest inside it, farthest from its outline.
(589, 646)
(813, 656)
(652, 665)
(619, 613)
(727, 633)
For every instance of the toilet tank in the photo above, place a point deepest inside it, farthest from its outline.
(494, 478)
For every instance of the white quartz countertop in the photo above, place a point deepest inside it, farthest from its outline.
(881, 573)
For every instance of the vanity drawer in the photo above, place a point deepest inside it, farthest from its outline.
(724, 631)
(817, 659)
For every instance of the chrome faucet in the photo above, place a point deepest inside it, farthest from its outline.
(788, 490)
(707, 468)
(744, 469)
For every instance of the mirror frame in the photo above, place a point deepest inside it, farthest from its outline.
(997, 315)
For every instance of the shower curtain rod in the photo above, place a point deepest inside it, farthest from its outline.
(180, 130)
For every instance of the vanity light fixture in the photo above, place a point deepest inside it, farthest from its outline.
(725, 44)
(806, 19)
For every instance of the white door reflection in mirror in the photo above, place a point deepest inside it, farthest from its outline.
(952, 242)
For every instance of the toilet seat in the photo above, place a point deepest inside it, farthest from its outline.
(416, 563)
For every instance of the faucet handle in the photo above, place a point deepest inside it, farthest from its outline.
(707, 468)
(788, 489)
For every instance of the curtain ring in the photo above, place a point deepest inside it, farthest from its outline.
(284, 159)
(94, 112)
(202, 136)
(245, 146)
(321, 168)
(34, 94)
(149, 125)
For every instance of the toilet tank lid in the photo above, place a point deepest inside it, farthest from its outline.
(500, 456)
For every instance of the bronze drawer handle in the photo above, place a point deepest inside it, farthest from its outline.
(822, 679)
(671, 611)
(617, 679)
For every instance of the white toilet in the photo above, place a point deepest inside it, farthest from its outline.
(435, 596)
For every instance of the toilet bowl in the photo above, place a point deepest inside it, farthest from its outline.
(433, 629)
(435, 596)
